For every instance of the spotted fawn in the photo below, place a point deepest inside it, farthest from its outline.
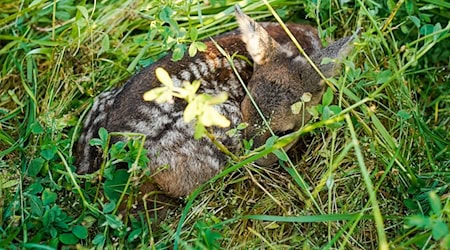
(276, 74)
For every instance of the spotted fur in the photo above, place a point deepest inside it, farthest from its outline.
(277, 78)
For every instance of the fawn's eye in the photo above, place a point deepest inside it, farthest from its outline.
(283, 133)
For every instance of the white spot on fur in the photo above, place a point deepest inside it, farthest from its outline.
(145, 111)
(315, 42)
(285, 49)
(203, 67)
(213, 64)
(87, 122)
(185, 75)
(99, 118)
(176, 82)
(300, 59)
(166, 107)
(143, 127)
(265, 24)
(194, 69)
(102, 108)
(238, 64)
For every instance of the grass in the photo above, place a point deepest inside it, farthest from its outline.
(372, 171)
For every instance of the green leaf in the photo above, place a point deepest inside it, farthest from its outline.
(134, 234)
(418, 221)
(83, 11)
(99, 240)
(232, 132)
(280, 155)
(80, 232)
(114, 187)
(193, 33)
(210, 117)
(89, 220)
(35, 188)
(9, 184)
(103, 134)
(118, 151)
(164, 77)
(178, 52)
(48, 197)
(410, 204)
(63, 15)
(49, 151)
(439, 230)
(35, 166)
(188, 92)
(335, 109)
(47, 219)
(390, 4)
(326, 113)
(36, 205)
(273, 225)
(196, 46)
(54, 242)
(35, 3)
(217, 99)
(43, 51)
(271, 141)
(437, 28)
(242, 126)
(191, 111)
(415, 20)
(201, 46)
(248, 144)
(166, 14)
(192, 50)
(36, 128)
(105, 44)
(435, 203)
(403, 114)
(410, 7)
(68, 239)
(445, 243)
(201, 108)
(314, 110)
(95, 142)
(113, 221)
(327, 97)
(426, 29)
(109, 207)
(296, 107)
(200, 130)
(159, 95)
(383, 76)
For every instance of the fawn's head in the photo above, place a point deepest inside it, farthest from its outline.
(280, 79)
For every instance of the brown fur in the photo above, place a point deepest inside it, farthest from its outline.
(278, 78)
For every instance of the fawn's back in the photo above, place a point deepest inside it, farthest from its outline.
(278, 78)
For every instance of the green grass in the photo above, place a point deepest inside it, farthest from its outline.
(372, 170)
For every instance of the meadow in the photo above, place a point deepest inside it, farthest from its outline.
(371, 171)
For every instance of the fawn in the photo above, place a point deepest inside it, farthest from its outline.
(277, 77)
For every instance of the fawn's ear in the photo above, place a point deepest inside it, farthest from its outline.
(260, 44)
(337, 51)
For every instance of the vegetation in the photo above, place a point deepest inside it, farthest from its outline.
(372, 170)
